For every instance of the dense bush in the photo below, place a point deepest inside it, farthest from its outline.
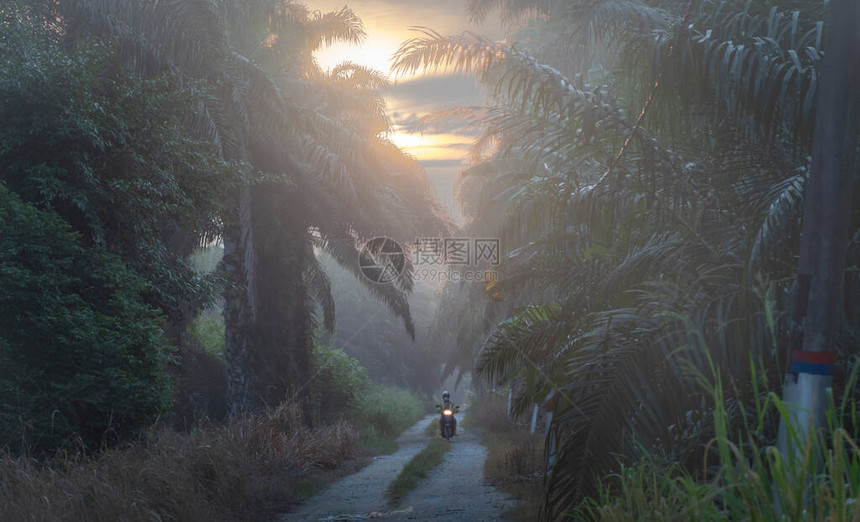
(81, 354)
(108, 154)
(201, 387)
(337, 380)
(387, 410)
(104, 195)
(742, 476)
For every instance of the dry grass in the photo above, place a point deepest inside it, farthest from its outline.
(253, 467)
(514, 457)
(515, 465)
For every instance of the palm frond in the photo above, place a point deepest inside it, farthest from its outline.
(335, 26)
(511, 11)
(761, 67)
(345, 253)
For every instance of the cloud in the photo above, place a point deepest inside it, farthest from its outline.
(442, 163)
(414, 124)
(442, 147)
(426, 94)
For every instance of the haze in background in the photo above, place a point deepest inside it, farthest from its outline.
(440, 149)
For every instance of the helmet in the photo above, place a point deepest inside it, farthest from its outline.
(446, 396)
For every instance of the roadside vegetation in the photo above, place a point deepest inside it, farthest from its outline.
(647, 166)
(742, 476)
(126, 143)
(143, 376)
(252, 468)
(433, 428)
(515, 457)
(383, 412)
(417, 470)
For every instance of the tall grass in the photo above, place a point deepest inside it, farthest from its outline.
(254, 466)
(383, 412)
(750, 480)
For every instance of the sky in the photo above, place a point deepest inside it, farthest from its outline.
(441, 149)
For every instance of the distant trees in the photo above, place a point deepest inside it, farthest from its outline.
(374, 335)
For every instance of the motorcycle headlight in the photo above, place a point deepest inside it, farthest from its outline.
(448, 412)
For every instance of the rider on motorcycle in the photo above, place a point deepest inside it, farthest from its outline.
(448, 405)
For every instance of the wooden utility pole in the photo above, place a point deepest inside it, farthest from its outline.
(826, 218)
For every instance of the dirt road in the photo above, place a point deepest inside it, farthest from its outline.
(454, 491)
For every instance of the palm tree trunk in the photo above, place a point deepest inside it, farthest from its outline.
(267, 314)
(237, 316)
(282, 329)
(826, 220)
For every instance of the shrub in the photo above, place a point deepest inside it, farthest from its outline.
(201, 387)
(515, 458)
(81, 354)
(338, 380)
(387, 410)
(488, 411)
(208, 329)
(103, 194)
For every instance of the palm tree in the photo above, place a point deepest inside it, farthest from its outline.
(632, 242)
(350, 184)
(323, 176)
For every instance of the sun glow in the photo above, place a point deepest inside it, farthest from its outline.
(432, 146)
(407, 141)
(375, 53)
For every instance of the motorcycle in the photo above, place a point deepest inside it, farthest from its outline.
(447, 423)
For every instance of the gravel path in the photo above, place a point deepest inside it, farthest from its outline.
(454, 491)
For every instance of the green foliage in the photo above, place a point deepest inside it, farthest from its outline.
(107, 151)
(337, 381)
(81, 354)
(316, 139)
(208, 329)
(744, 478)
(417, 469)
(643, 235)
(105, 194)
(387, 410)
(432, 429)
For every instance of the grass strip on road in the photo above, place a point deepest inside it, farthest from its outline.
(417, 469)
(433, 428)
